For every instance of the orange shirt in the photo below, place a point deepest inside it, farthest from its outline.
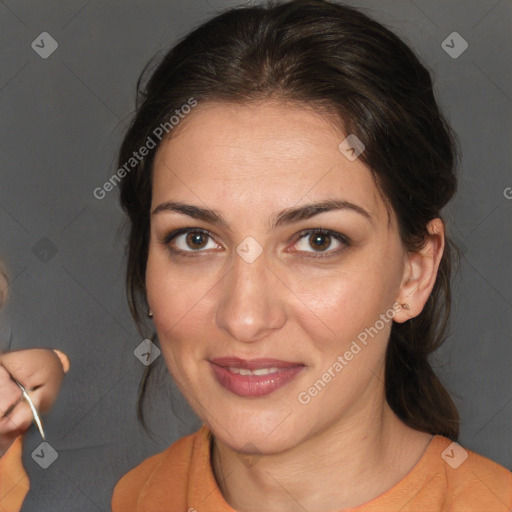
(14, 483)
(180, 479)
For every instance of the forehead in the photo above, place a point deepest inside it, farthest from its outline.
(269, 153)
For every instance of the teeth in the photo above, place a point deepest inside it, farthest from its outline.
(259, 371)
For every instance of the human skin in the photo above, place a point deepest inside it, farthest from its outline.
(248, 163)
(41, 372)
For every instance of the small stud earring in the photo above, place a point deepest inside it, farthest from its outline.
(405, 305)
(150, 313)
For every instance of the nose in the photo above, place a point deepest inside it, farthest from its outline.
(252, 301)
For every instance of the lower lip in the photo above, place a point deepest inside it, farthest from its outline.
(254, 385)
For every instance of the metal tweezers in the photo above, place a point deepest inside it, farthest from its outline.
(26, 396)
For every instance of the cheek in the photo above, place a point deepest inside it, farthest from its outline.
(328, 299)
(179, 300)
(335, 306)
(172, 291)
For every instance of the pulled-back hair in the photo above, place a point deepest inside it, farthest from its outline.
(338, 60)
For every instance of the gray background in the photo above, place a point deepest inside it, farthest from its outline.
(62, 121)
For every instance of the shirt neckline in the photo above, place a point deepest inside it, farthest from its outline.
(209, 496)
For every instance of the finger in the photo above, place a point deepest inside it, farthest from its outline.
(63, 359)
(34, 367)
(11, 407)
(10, 392)
(17, 422)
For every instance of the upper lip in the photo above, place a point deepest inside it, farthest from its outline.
(252, 364)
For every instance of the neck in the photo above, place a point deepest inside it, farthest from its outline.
(345, 465)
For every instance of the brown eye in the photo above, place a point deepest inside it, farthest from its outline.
(186, 241)
(320, 241)
(196, 240)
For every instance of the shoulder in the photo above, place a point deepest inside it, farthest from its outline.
(135, 491)
(474, 481)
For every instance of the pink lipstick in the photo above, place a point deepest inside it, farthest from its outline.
(253, 377)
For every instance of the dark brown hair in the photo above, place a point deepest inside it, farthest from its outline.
(339, 61)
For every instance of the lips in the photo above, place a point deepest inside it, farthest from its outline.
(252, 364)
(253, 377)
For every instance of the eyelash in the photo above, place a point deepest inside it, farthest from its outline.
(302, 234)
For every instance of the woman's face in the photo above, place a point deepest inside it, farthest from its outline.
(262, 275)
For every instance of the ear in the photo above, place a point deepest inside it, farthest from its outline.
(420, 273)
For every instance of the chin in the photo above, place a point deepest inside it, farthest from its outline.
(264, 434)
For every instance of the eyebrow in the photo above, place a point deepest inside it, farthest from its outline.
(287, 216)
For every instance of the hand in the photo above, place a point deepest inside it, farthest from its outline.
(41, 372)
